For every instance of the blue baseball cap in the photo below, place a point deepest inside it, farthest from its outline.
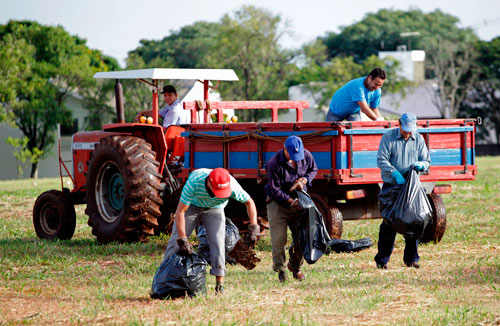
(409, 122)
(295, 148)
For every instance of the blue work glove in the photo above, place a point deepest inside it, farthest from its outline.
(398, 176)
(421, 165)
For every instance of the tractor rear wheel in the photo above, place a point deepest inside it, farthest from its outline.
(123, 190)
(54, 216)
(331, 215)
(434, 232)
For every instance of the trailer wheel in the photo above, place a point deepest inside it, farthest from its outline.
(123, 190)
(435, 231)
(54, 216)
(331, 215)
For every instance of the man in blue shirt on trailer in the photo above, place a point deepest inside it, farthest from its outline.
(400, 150)
(359, 95)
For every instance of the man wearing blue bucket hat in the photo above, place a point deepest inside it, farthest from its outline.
(400, 149)
(291, 168)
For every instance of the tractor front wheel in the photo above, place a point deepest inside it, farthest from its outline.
(54, 216)
(123, 190)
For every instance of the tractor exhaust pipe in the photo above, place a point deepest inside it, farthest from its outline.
(120, 116)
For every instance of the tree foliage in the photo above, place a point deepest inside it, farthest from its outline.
(246, 41)
(453, 66)
(381, 31)
(483, 99)
(42, 65)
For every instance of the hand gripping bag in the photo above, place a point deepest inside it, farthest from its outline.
(407, 208)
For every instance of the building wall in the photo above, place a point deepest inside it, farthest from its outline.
(48, 167)
(411, 63)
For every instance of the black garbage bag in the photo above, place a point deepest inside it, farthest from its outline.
(313, 237)
(232, 236)
(179, 276)
(406, 208)
(340, 245)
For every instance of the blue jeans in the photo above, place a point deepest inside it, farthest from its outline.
(349, 117)
(214, 221)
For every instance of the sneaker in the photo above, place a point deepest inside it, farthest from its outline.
(282, 276)
(297, 274)
(413, 264)
(219, 289)
(381, 266)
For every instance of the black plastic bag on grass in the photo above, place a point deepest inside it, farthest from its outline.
(180, 276)
(340, 245)
(313, 237)
(406, 207)
(232, 236)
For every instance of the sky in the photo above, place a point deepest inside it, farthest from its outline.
(116, 27)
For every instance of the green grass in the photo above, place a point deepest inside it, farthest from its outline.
(80, 282)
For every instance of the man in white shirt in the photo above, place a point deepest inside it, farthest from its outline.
(172, 112)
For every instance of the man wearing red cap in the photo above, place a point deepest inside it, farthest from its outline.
(293, 167)
(203, 199)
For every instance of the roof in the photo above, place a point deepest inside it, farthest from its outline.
(170, 73)
(420, 100)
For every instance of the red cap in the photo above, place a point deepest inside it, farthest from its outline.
(220, 181)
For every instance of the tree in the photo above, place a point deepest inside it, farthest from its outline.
(452, 64)
(186, 48)
(16, 60)
(381, 31)
(248, 42)
(49, 64)
(483, 99)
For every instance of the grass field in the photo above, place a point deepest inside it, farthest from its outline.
(80, 282)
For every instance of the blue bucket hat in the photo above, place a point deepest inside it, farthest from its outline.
(295, 148)
(409, 122)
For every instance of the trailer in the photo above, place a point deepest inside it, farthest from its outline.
(130, 174)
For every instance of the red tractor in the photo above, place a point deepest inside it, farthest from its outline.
(119, 172)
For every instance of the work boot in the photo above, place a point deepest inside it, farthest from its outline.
(297, 274)
(381, 266)
(219, 289)
(282, 276)
(412, 264)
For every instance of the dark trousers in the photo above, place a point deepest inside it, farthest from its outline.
(386, 238)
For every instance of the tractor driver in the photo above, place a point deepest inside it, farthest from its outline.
(203, 199)
(172, 113)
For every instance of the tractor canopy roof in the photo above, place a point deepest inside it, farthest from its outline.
(170, 73)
